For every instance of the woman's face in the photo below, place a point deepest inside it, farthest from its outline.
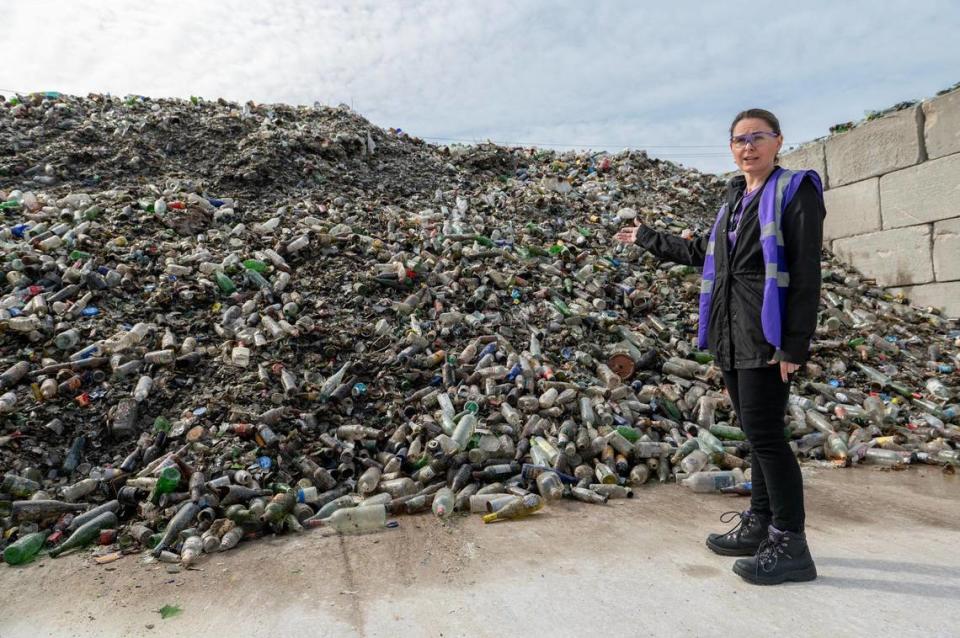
(754, 146)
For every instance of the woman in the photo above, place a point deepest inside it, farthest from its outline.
(758, 311)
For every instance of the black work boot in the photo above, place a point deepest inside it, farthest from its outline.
(744, 539)
(783, 557)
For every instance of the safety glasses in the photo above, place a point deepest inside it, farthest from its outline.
(754, 139)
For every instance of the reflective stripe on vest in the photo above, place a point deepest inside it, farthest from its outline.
(773, 200)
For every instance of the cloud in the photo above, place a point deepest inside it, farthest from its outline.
(666, 77)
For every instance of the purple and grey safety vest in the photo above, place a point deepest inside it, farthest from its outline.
(779, 189)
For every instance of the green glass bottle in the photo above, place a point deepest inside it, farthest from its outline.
(168, 481)
(255, 264)
(671, 409)
(226, 284)
(257, 279)
(728, 432)
(86, 533)
(900, 389)
(279, 506)
(684, 451)
(484, 241)
(628, 433)
(536, 251)
(929, 407)
(710, 444)
(561, 307)
(701, 357)
(24, 549)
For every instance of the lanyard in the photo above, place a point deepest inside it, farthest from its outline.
(738, 215)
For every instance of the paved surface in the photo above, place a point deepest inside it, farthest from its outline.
(886, 545)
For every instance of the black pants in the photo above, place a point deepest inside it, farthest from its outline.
(759, 397)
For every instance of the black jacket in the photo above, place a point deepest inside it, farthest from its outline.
(735, 336)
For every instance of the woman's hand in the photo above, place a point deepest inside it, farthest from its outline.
(786, 369)
(627, 235)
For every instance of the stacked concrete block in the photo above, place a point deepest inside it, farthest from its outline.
(944, 295)
(946, 248)
(853, 209)
(898, 257)
(893, 199)
(806, 157)
(941, 126)
(923, 193)
(883, 145)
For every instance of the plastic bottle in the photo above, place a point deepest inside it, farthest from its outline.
(464, 431)
(240, 356)
(191, 550)
(8, 402)
(357, 519)
(80, 489)
(367, 483)
(650, 449)
(710, 444)
(338, 503)
(704, 482)
(326, 390)
(443, 502)
(694, 462)
(142, 389)
(885, 458)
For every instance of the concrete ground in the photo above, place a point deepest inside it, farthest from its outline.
(887, 546)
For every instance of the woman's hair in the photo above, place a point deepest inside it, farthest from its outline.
(761, 114)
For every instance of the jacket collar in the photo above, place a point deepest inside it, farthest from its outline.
(738, 183)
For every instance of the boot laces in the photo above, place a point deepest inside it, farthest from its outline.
(747, 518)
(770, 552)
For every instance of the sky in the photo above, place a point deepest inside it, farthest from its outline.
(667, 77)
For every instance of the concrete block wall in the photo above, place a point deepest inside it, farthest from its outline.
(893, 199)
